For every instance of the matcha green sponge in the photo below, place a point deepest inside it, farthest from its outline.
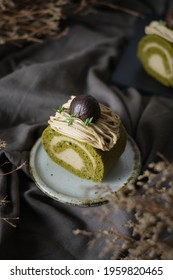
(81, 158)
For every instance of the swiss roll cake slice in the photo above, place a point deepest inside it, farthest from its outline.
(85, 137)
(81, 158)
(155, 51)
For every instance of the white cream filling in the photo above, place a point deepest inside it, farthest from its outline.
(156, 63)
(70, 156)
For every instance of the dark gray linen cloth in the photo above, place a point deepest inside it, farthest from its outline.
(39, 77)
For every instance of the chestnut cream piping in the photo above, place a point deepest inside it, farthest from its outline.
(103, 134)
(161, 30)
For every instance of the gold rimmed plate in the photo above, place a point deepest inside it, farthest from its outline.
(63, 186)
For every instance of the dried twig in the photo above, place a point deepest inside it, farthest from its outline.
(6, 3)
(14, 170)
(2, 144)
(121, 9)
(150, 201)
(10, 221)
(28, 21)
(4, 201)
(4, 163)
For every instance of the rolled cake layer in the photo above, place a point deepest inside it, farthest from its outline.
(155, 51)
(156, 55)
(81, 158)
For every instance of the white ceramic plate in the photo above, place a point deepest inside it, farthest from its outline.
(65, 187)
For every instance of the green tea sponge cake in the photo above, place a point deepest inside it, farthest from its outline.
(155, 51)
(85, 137)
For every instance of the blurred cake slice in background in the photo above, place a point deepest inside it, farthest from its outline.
(155, 51)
